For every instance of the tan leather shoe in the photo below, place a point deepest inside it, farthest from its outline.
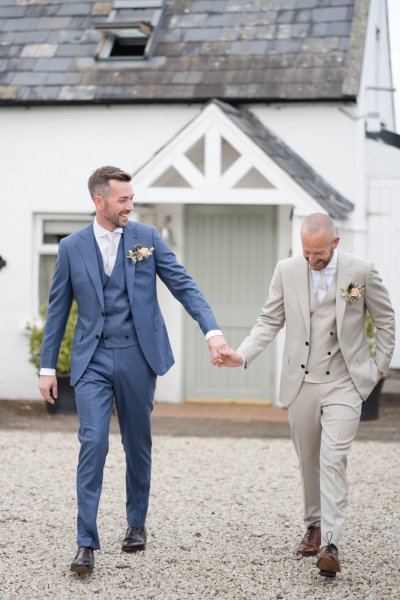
(309, 545)
(328, 561)
(83, 562)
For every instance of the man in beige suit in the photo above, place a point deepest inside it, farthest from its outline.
(327, 370)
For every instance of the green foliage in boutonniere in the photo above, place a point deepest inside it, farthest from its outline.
(353, 292)
(139, 252)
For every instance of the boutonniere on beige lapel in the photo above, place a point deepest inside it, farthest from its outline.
(353, 292)
(139, 252)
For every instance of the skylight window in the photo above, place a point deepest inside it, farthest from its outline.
(129, 29)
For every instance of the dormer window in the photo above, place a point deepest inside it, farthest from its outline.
(129, 28)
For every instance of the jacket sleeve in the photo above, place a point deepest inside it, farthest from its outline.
(380, 308)
(60, 301)
(270, 321)
(182, 286)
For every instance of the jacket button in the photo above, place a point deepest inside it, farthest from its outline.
(306, 372)
(302, 366)
(331, 333)
(106, 337)
(97, 337)
(127, 337)
(329, 353)
(328, 372)
(307, 344)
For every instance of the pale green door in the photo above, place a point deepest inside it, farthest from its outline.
(230, 252)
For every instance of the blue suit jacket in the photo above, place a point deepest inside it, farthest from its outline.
(77, 275)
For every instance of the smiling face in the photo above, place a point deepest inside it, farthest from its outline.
(114, 204)
(318, 248)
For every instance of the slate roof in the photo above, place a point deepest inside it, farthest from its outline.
(236, 50)
(336, 205)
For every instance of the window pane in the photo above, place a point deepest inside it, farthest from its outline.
(46, 270)
(55, 231)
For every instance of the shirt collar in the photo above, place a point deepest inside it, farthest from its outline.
(333, 262)
(99, 231)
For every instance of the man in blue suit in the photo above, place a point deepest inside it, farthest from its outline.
(120, 346)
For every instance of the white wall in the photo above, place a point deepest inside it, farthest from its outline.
(46, 157)
(383, 163)
(374, 93)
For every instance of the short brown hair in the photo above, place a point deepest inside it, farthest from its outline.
(99, 180)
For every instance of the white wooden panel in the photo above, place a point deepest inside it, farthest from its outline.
(384, 242)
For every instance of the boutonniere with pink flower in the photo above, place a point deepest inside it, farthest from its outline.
(139, 252)
(353, 292)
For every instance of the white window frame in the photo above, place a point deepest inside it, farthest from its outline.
(41, 249)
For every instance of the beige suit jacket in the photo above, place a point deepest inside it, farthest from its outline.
(288, 304)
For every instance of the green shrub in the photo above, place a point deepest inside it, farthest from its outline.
(36, 337)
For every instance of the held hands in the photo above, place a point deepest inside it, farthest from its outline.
(48, 387)
(227, 357)
(214, 344)
(221, 354)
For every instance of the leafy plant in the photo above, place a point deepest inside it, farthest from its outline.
(36, 337)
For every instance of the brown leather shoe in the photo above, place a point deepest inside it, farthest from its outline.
(309, 545)
(328, 561)
(135, 539)
(83, 562)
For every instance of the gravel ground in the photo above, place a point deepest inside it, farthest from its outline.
(225, 516)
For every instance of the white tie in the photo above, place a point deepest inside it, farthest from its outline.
(320, 292)
(112, 247)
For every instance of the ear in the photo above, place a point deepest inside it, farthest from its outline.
(336, 242)
(98, 201)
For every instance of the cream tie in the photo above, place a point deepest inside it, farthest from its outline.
(112, 248)
(321, 290)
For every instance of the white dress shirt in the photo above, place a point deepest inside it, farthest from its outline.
(108, 242)
(329, 272)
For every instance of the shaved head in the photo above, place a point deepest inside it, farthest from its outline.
(317, 223)
(319, 240)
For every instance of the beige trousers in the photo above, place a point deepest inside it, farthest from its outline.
(324, 419)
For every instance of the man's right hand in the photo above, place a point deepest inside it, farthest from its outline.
(227, 357)
(48, 387)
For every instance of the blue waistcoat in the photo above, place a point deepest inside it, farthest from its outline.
(118, 330)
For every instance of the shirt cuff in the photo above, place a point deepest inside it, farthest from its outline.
(244, 365)
(50, 372)
(213, 332)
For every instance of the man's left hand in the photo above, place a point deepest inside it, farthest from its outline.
(214, 343)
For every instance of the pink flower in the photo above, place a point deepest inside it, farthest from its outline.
(355, 293)
(145, 252)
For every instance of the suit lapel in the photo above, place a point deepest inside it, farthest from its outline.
(301, 283)
(344, 277)
(87, 249)
(130, 239)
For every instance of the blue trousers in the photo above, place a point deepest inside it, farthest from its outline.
(123, 374)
